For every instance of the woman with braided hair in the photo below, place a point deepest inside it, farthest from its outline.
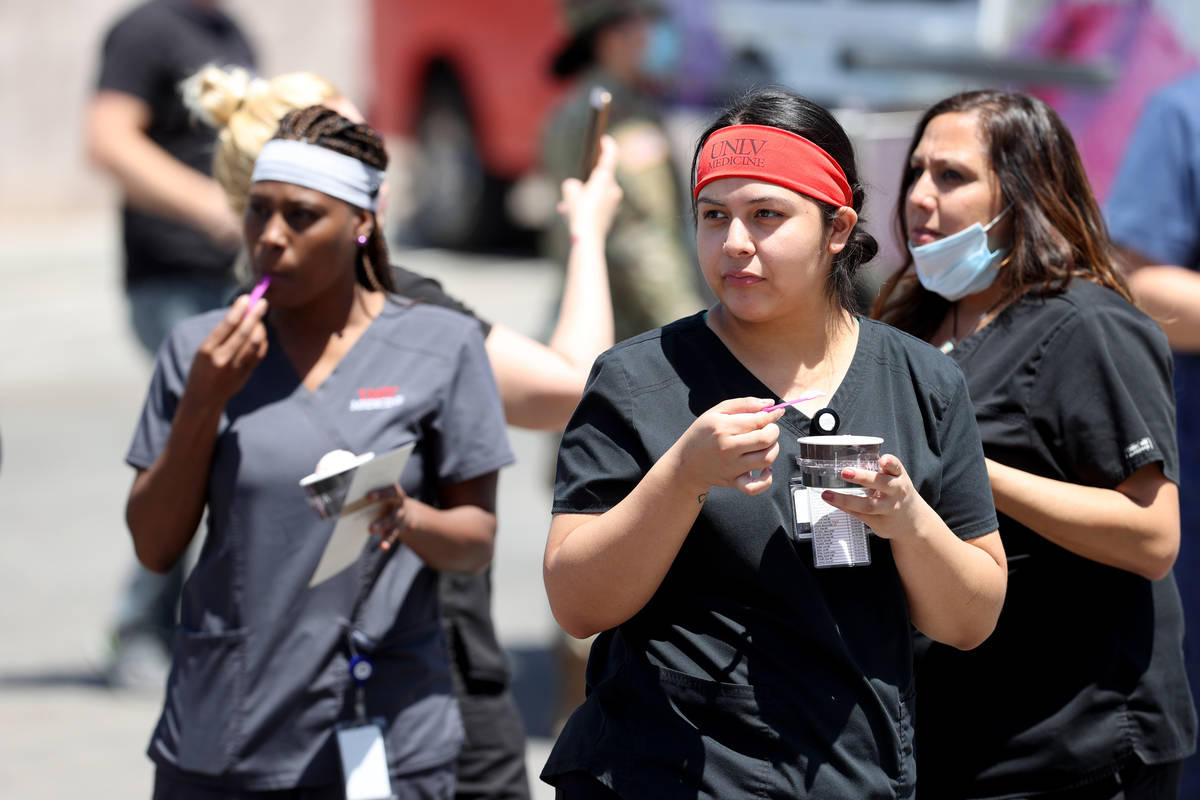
(539, 383)
(243, 403)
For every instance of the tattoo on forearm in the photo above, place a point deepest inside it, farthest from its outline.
(700, 498)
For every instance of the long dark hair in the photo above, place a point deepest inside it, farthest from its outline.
(322, 126)
(787, 111)
(1058, 231)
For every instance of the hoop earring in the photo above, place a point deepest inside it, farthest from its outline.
(367, 267)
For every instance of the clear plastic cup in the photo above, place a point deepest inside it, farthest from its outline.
(838, 538)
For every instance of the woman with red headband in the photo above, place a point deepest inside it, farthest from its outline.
(731, 660)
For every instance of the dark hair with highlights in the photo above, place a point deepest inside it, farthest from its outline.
(788, 111)
(1058, 230)
(324, 127)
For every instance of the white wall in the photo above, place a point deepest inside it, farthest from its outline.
(49, 52)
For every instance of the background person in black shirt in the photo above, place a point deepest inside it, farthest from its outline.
(1081, 690)
(178, 234)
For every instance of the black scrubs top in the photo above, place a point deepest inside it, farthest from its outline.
(466, 599)
(751, 672)
(260, 674)
(1085, 669)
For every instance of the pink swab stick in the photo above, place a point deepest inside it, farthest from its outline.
(256, 294)
(809, 396)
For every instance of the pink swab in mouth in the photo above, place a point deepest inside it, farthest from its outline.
(256, 294)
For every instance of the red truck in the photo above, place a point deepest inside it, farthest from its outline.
(469, 82)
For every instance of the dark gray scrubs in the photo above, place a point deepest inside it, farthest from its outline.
(751, 672)
(260, 664)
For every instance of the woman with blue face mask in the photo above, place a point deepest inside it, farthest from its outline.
(1080, 692)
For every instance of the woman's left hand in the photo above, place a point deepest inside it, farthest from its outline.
(589, 207)
(395, 515)
(892, 507)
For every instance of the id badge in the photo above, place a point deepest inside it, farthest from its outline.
(801, 515)
(839, 539)
(364, 761)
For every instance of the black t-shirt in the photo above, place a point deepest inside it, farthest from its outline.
(429, 290)
(466, 599)
(1085, 667)
(147, 53)
(751, 672)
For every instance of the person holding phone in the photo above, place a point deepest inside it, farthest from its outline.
(649, 264)
(1081, 691)
(729, 662)
(243, 403)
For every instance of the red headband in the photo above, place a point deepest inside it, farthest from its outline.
(776, 156)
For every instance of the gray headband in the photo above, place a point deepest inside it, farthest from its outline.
(316, 167)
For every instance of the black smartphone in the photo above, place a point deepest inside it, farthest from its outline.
(598, 104)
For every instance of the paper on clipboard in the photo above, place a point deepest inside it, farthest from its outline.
(350, 533)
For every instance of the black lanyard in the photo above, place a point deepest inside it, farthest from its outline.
(360, 667)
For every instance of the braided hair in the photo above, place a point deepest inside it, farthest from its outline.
(324, 127)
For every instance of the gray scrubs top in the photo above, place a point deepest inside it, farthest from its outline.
(260, 677)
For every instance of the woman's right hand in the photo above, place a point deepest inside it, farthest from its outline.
(167, 500)
(601, 569)
(230, 353)
(733, 444)
(395, 514)
(590, 207)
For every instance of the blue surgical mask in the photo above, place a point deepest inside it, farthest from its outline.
(960, 264)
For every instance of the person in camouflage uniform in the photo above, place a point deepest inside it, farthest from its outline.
(651, 271)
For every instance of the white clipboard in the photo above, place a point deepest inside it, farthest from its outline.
(351, 531)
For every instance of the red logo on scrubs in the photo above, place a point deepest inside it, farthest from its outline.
(379, 397)
(380, 391)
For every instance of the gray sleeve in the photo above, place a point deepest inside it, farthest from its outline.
(471, 426)
(162, 398)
